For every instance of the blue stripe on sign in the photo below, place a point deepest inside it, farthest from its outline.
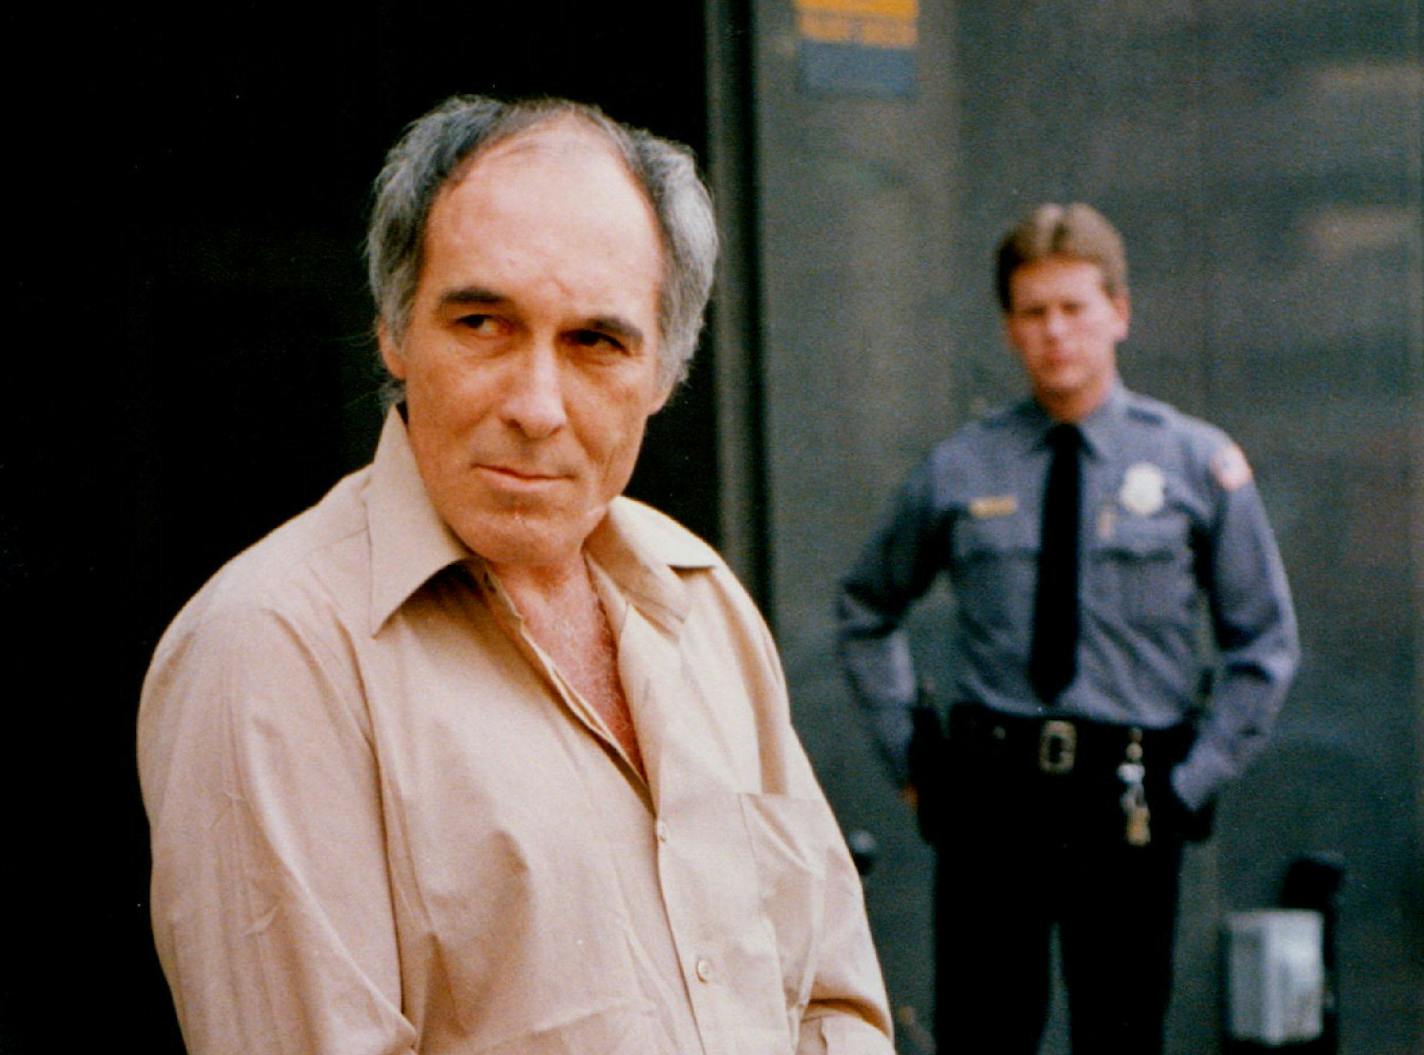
(852, 69)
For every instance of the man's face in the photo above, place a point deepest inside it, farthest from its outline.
(1066, 329)
(531, 355)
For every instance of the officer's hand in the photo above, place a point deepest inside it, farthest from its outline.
(910, 796)
(1194, 825)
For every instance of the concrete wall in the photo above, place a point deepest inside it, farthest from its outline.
(1263, 161)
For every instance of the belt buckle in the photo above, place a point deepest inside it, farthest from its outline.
(1057, 746)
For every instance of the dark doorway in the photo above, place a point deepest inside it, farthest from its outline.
(192, 366)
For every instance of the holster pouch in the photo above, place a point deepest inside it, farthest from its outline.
(927, 761)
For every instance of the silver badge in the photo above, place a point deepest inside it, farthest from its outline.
(1144, 489)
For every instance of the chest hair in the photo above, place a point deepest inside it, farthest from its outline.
(569, 623)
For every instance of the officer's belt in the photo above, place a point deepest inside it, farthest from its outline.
(1060, 746)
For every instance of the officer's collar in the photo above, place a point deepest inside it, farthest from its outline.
(1099, 428)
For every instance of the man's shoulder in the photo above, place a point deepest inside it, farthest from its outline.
(1198, 437)
(662, 537)
(307, 562)
(985, 434)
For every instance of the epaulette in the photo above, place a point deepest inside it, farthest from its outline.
(1000, 416)
(1147, 411)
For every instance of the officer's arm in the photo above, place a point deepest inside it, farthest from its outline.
(1255, 629)
(895, 568)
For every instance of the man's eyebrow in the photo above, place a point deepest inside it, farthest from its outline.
(615, 326)
(479, 296)
(472, 295)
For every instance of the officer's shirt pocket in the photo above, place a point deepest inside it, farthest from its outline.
(1146, 565)
(994, 571)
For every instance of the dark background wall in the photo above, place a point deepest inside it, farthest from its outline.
(190, 365)
(1263, 162)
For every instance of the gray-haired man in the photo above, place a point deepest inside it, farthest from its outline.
(477, 755)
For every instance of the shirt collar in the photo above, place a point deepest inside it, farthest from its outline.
(1099, 428)
(409, 541)
(641, 549)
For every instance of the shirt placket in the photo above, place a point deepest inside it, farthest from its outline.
(703, 868)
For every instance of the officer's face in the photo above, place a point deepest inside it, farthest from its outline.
(1066, 329)
(531, 356)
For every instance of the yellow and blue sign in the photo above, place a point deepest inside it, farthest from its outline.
(855, 47)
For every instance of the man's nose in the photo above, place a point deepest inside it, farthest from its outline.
(1055, 322)
(534, 393)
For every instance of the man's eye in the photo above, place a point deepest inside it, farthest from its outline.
(480, 325)
(596, 340)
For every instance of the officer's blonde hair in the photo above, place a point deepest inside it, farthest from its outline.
(1075, 230)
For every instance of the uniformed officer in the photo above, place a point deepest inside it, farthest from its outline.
(1094, 540)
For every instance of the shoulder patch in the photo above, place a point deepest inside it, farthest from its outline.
(1230, 467)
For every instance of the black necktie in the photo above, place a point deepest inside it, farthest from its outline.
(1053, 659)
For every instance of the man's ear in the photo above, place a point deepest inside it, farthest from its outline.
(390, 352)
(664, 393)
(1123, 305)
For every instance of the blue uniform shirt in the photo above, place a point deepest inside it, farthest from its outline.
(1171, 522)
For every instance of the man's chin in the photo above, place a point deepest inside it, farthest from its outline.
(526, 538)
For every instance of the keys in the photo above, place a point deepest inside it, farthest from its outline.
(1134, 805)
(1134, 797)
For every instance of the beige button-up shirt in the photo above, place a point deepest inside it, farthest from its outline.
(383, 823)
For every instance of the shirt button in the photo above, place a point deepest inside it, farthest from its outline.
(661, 829)
(704, 969)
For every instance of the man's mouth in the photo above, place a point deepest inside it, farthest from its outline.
(517, 476)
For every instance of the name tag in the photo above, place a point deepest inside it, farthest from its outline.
(993, 506)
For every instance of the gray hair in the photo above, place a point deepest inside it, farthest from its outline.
(437, 147)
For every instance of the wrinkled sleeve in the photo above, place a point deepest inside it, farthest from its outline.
(895, 568)
(1254, 625)
(840, 1035)
(271, 902)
